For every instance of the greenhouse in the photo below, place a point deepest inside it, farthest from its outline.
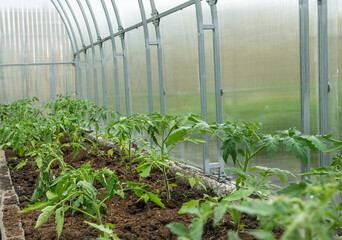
(182, 119)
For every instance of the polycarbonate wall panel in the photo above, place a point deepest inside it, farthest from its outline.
(181, 62)
(137, 70)
(260, 67)
(33, 34)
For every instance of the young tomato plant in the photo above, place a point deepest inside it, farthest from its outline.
(74, 190)
(122, 132)
(166, 133)
(246, 140)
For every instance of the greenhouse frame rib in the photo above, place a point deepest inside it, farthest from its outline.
(73, 27)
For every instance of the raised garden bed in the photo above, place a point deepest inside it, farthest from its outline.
(132, 219)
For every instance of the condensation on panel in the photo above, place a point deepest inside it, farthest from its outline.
(340, 67)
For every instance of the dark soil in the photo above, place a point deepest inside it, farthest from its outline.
(132, 219)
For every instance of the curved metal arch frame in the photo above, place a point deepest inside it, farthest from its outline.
(156, 22)
(83, 46)
(148, 56)
(121, 33)
(104, 90)
(73, 42)
(93, 53)
(115, 53)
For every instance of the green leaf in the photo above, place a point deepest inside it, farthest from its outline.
(262, 235)
(196, 229)
(229, 148)
(316, 141)
(179, 229)
(233, 236)
(238, 195)
(20, 165)
(297, 146)
(100, 227)
(294, 189)
(219, 212)
(45, 215)
(256, 208)
(50, 195)
(271, 143)
(75, 153)
(200, 127)
(176, 135)
(190, 207)
(59, 219)
(155, 199)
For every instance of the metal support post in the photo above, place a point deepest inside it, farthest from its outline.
(121, 33)
(114, 52)
(323, 74)
(304, 73)
(104, 88)
(156, 22)
(202, 80)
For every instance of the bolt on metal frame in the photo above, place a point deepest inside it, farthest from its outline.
(114, 53)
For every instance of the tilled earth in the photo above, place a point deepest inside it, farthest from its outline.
(132, 219)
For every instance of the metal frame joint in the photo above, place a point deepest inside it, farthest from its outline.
(121, 32)
(212, 2)
(155, 18)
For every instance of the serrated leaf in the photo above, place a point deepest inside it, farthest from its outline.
(190, 207)
(179, 229)
(155, 199)
(297, 146)
(238, 195)
(229, 149)
(59, 219)
(219, 212)
(316, 141)
(50, 195)
(256, 208)
(45, 215)
(294, 190)
(271, 143)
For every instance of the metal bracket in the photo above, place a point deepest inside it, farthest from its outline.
(121, 31)
(99, 39)
(212, 2)
(84, 49)
(155, 19)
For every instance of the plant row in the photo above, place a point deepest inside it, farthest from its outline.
(41, 133)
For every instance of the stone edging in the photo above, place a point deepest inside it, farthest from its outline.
(8, 204)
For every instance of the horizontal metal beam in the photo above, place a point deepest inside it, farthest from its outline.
(34, 64)
(140, 24)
